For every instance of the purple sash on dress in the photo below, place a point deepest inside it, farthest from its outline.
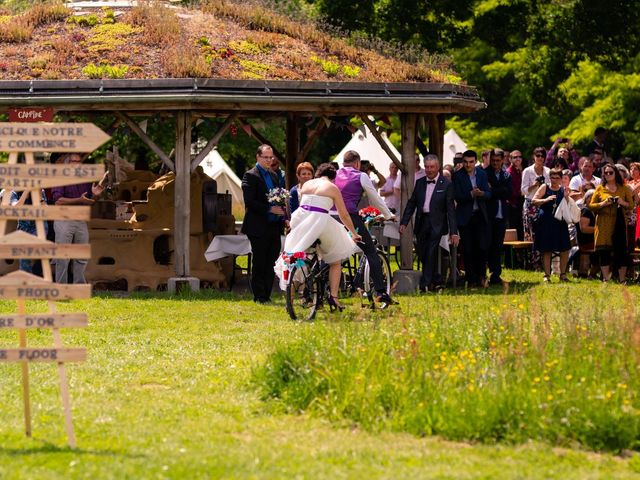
(311, 208)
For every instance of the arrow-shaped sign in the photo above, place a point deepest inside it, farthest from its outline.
(50, 137)
(20, 176)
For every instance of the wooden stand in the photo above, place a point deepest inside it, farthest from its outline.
(21, 286)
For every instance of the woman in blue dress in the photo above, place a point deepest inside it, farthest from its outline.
(551, 235)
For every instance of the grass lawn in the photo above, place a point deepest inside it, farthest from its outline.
(167, 392)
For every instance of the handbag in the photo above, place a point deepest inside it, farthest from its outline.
(568, 211)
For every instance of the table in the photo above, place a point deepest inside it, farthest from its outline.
(230, 245)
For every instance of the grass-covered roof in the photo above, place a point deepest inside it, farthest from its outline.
(217, 39)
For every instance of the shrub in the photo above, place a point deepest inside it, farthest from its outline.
(491, 371)
(43, 13)
(184, 60)
(16, 31)
(161, 25)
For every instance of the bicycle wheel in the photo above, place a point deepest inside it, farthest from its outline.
(386, 275)
(302, 294)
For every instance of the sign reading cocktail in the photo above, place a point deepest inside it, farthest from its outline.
(28, 138)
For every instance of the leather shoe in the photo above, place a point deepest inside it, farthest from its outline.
(385, 298)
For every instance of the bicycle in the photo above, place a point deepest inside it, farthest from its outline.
(360, 280)
(308, 282)
(307, 286)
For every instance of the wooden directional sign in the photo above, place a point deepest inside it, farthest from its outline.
(43, 355)
(21, 176)
(18, 245)
(22, 285)
(47, 212)
(50, 137)
(44, 320)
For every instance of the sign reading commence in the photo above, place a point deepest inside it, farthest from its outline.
(50, 137)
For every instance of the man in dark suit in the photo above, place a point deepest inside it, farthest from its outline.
(471, 192)
(432, 200)
(498, 211)
(263, 223)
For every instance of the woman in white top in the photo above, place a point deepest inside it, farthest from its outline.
(532, 178)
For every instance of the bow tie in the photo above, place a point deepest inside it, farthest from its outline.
(431, 181)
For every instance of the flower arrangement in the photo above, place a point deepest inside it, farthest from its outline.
(369, 214)
(295, 259)
(278, 196)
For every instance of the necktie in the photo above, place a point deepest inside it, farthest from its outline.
(431, 181)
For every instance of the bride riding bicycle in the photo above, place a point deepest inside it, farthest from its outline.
(312, 222)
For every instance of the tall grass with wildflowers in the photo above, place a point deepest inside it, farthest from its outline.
(480, 368)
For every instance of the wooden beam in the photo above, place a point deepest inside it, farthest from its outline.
(147, 140)
(262, 140)
(182, 203)
(293, 144)
(409, 123)
(311, 140)
(211, 144)
(374, 130)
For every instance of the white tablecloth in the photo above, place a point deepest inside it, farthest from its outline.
(225, 245)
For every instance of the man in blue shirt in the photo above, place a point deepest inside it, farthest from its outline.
(263, 223)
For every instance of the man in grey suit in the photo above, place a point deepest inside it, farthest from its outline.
(432, 200)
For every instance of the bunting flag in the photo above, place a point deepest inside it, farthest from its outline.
(327, 122)
(247, 129)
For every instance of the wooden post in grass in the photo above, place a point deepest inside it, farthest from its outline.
(30, 178)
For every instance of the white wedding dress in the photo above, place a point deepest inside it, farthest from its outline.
(312, 222)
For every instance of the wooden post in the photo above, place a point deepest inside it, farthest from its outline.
(436, 134)
(182, 208)
(26, 396)
(293, 143)
(409, 123)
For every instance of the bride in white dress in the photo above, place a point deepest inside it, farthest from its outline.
(312, 221)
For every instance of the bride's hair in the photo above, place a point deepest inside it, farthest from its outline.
(326, 170)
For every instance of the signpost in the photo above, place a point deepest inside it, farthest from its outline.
(30, 178)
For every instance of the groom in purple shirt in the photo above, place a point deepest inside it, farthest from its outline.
(352, 184)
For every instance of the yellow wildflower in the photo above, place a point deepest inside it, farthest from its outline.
(568, 377)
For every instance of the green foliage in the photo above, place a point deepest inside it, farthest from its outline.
(518, 54)
(90, 20)
(105, 71)
(247, 47)
(349, 71)
(490, 369)
(254, 70)
(107, 37)
(603, 97)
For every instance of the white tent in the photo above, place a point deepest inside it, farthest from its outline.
(368, 147)
(452, 144)
(227, 181)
